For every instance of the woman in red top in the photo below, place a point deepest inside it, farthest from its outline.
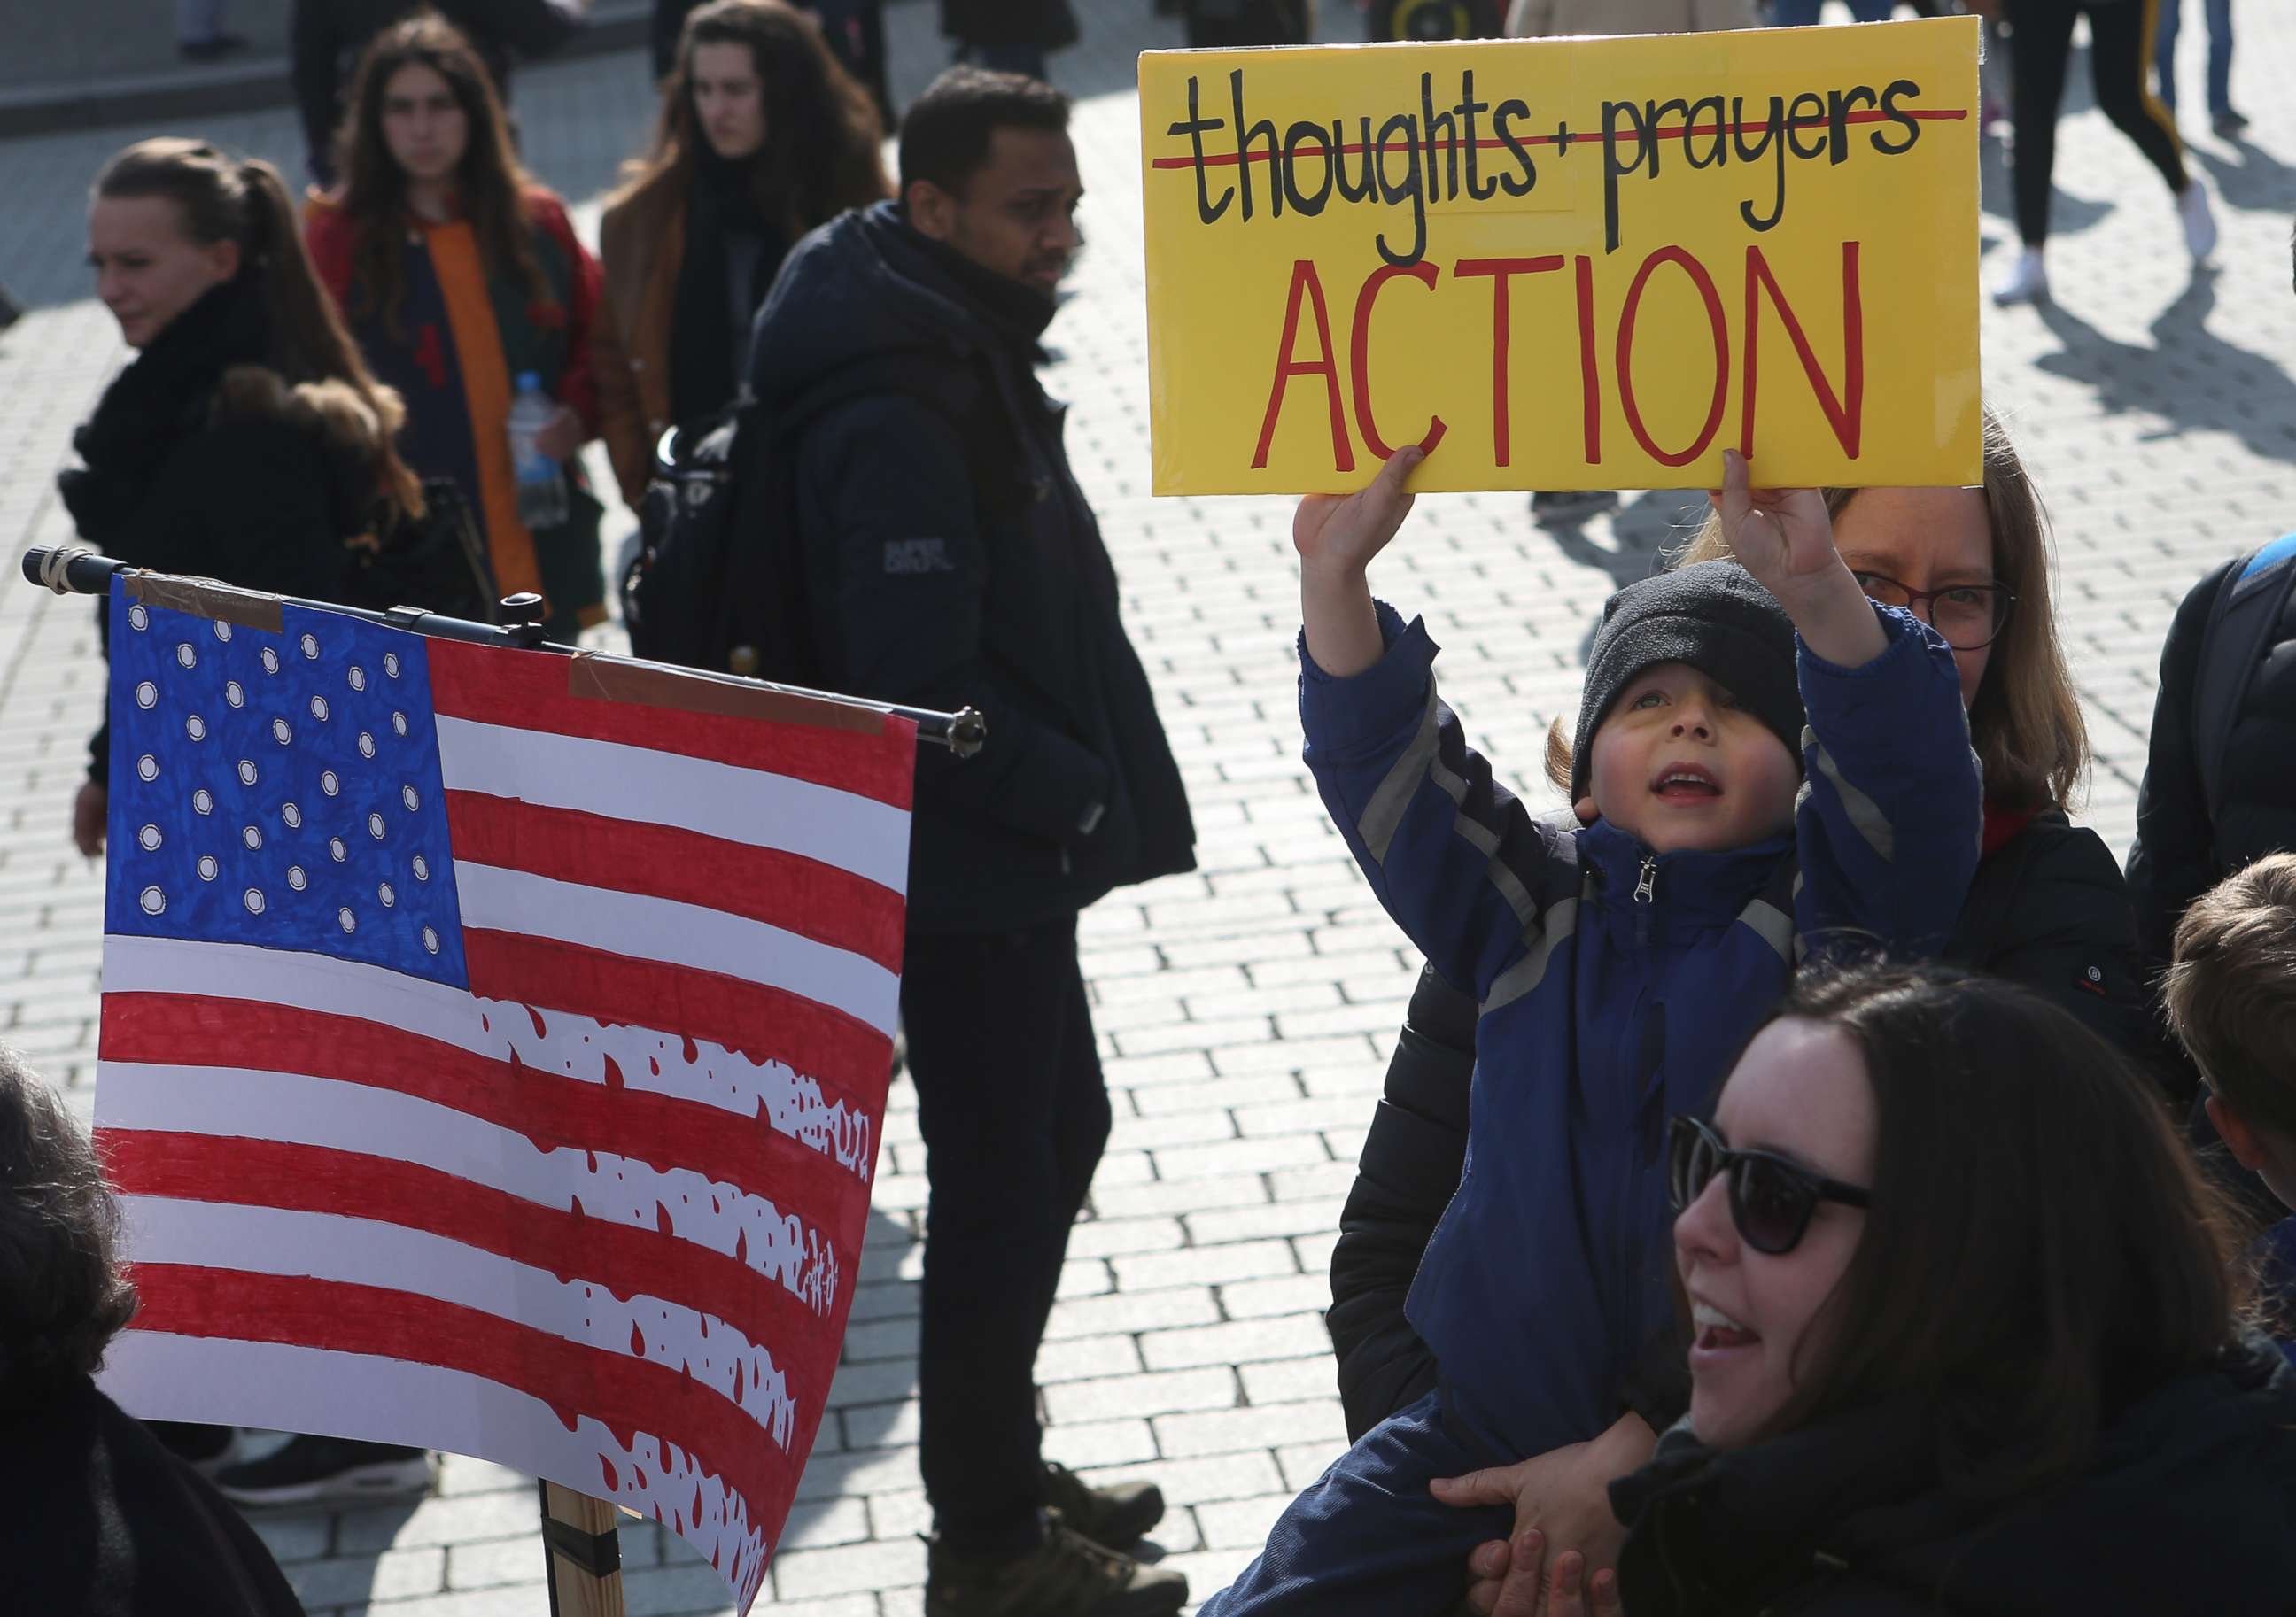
(458, 273)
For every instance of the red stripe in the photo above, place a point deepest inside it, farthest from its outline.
(628, 1396)
(623, 1259)
(193, 1029)
(527, 690)
(1229, 159)
(763, 1022)
(786, 890)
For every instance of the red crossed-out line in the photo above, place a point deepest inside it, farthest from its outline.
(1224, 159)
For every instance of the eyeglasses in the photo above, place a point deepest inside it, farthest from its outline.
(1771, 1198)
(1965, 616)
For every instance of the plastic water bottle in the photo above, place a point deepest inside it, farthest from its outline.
(541, 480)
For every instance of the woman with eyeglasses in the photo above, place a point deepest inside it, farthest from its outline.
(1966, 1336)
(2048, 908)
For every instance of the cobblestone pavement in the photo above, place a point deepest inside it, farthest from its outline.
(1246, 1011)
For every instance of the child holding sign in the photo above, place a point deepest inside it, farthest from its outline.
(1618, 964)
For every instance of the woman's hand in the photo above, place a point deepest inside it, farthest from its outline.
(1784, 537)
(89, 810)
(561, 438)
(1562, 1500)
(1336, 536)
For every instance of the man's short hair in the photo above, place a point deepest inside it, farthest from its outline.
(63, 1296)
(2231, 995)
(946, 133)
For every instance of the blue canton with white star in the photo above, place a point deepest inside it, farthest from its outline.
(279, 789)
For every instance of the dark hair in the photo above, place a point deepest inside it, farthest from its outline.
(490, 183)
(63, 1296)
(945, 134)
(2040, 1249)
(2231, 995)
(220, 197)
(2026, 721)
(821, 152)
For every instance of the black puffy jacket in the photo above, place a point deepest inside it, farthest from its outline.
(950, 559)
(2188, 1506)
(2047, 909)
(201, 459)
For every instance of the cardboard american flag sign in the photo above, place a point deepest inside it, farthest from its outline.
(494, 1048)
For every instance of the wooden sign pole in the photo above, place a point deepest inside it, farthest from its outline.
(582, 1554)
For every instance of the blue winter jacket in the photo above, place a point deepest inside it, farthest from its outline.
(1616, 986)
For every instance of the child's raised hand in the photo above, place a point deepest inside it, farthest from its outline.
(1341, 533)
(1784, 537)
(1337, 536)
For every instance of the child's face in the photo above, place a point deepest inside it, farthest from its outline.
(1679, 764)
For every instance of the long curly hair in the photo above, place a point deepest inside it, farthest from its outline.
(823, 144)
(490, 182)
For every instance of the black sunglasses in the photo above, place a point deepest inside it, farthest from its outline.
(1771, 1198)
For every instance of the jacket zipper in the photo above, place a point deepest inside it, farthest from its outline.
(1647, 883)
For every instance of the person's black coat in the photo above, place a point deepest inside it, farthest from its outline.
(2046, 909)
(201, 459)
(326, 36)
(2189, 1507)
(950, 559)
(97, 1520)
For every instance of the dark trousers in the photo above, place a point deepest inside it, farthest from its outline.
(1026, 60)
(2120, 63)
(1369, 1538)
(1015, 1114)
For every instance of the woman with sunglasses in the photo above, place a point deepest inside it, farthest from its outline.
(1965, 1336)
(2048, 908)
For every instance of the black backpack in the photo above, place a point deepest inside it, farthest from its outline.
(2248, 606)
(717, 583)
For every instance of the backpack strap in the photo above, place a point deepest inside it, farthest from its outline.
(2247, 605)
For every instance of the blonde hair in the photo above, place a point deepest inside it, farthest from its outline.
(2026, 723)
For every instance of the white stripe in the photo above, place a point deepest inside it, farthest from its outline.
(160, 1377)
(747, 805)
(575, 1047)
(368, 1252)
(692, 936)
(295, 1109)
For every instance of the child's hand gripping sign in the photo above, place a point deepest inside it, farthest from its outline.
(1574, 263)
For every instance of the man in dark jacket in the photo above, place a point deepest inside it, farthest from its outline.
(326, 37)
(950, 558)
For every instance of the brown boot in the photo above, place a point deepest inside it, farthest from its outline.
(1114, 1516)
(1067, 1575)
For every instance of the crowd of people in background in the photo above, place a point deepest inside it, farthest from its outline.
(1698, 1261)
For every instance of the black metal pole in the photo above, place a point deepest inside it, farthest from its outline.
(71, 569)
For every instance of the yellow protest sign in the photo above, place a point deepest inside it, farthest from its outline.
(1567, 263)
